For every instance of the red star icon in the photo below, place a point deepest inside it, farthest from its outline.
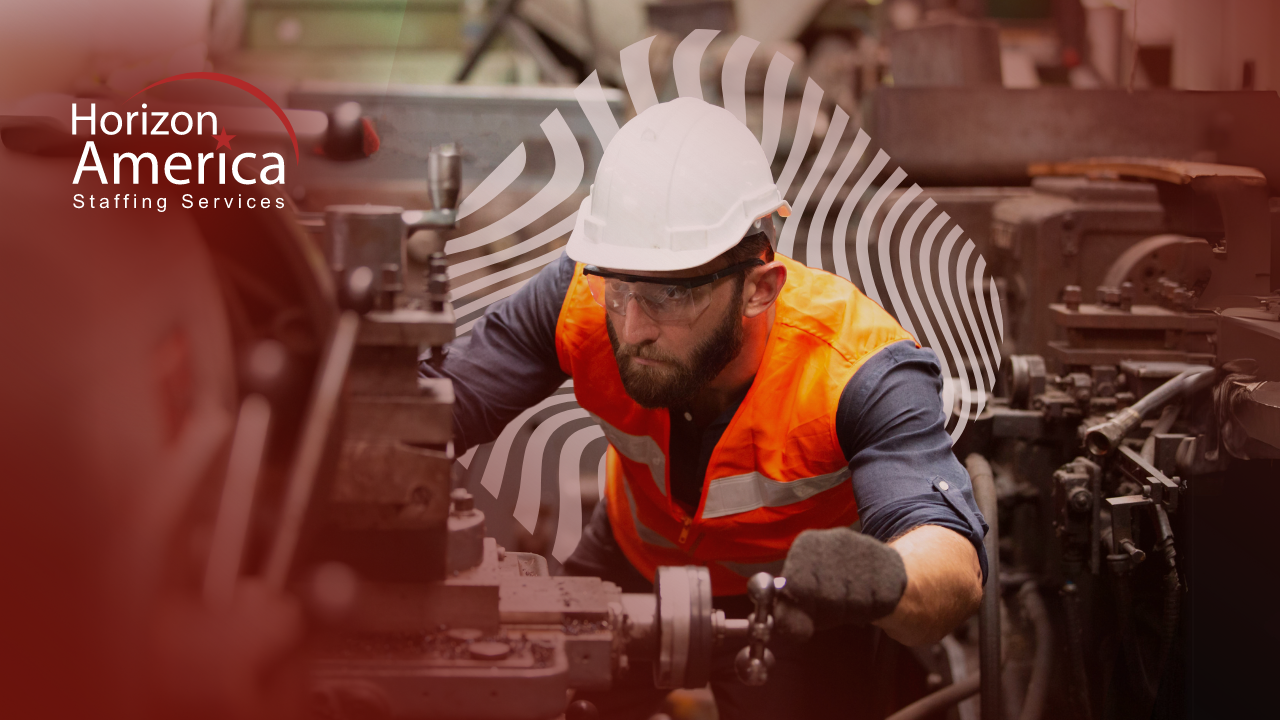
(224, 140)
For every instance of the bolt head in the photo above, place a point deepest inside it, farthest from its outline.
(462, 500)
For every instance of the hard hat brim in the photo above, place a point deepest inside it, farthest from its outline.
(639, 259)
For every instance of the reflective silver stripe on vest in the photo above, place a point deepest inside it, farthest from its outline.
(746, 570)
(638, 448)
(642, 530)
(741, 493)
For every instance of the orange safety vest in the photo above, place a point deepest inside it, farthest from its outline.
(778, 468)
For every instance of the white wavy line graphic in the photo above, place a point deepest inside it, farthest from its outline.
(979, 270)
(904, 259)
(527, 501)
(565, 178)
(864, 234)
(995, 308)
(944, 278)
(569, 523)
(549, 235)
(974, 357)
(494, 278)
(905, 244)
(882, 254)
(733, 78)
(775, 91)
(590, 97)
(839, 242)
(497, 463)
(809, 106)
(493, 184)
(686, 64)
(635, 74)
(786, 241)
(926, 280)
(813, 246)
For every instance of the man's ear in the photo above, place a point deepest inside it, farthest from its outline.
(761, 288)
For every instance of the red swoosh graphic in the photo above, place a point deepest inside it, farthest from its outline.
(234, 82)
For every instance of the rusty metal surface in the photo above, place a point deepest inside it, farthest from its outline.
(989, 136)
(1069, 232)
(486, 123)
(1178, 172)
(1139, 317)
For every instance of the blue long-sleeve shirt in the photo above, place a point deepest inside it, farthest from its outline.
(889, 419)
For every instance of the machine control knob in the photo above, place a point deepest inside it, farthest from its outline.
(753, 661)
(581, 710)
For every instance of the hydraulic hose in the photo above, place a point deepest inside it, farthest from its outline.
(1124, 613)
(1103, 437)
(1075, 650)
(1172, 586)
(939, 700)
(1038, 688)
(984, 491)
(1169, 618)
(1167, 417)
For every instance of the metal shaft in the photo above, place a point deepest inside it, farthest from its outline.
(984, 491)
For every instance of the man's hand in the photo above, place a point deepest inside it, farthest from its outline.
(917, 588)
(837, 577)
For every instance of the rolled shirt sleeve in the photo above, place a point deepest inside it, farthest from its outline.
(891, 427)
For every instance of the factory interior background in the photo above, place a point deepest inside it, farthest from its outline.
(1075, 204)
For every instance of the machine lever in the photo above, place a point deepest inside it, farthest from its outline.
(754, 660)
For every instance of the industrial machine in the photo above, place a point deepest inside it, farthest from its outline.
(327, 478)
(1141, 377)
(1121, 414)
(428, 617)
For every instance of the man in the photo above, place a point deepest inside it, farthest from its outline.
(755, 410)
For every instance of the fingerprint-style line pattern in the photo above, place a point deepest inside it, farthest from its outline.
(569, 523)
(590, 97)
(813, 245)
(809, 107)
(733, 77)
(565, 178)
(775, 92)
(786, 241)
(493, 185)
(687, 62)
(934, 281)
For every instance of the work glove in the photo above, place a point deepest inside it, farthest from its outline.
(836, 577)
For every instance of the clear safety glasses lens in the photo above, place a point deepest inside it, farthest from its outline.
(664, 304)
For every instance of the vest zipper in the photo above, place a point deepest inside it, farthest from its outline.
(684, 531)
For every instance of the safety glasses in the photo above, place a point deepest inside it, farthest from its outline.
(667, 301)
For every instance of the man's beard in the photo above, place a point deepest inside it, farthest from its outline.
(677, 383)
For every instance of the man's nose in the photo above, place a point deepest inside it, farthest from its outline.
(637, 326)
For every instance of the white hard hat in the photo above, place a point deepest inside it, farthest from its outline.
(681, 183)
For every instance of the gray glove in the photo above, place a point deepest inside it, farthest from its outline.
(836, 577)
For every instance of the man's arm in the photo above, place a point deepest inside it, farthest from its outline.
(912, 491)
(508, 362)
(944, 585)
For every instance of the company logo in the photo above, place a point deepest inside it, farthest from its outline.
(217, 168)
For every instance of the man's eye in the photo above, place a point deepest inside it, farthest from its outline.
(672, 293)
